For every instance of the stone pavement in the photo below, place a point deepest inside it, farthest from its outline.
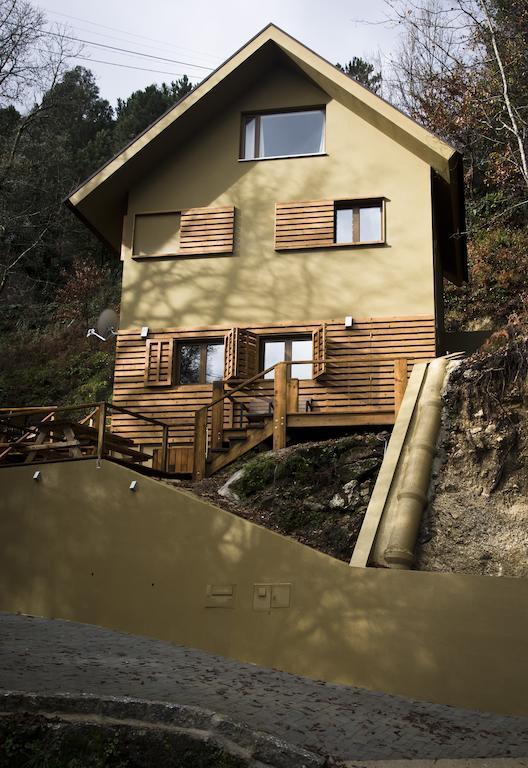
(353, 724)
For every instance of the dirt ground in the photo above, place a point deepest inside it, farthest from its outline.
(477, 521)
(315, 492)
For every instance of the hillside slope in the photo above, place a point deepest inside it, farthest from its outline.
(477, 521)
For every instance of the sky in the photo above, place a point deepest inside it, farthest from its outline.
(198, 35)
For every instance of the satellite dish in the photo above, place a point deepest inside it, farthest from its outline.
(106, 326)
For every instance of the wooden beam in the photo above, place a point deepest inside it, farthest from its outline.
(217, 415)
(280, 406)
(292, 405)
(400, 382)
(374, 418)
(200, 444)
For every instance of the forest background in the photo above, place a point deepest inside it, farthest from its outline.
(461, 70)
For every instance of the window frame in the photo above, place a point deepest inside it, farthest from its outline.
(203, 344)
(287, 338)
(355, 205)
(281, 111)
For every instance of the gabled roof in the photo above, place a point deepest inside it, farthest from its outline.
(101, 200)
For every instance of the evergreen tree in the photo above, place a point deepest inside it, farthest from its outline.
(144, 107)
(363, 72)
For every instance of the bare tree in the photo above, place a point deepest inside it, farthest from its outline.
(454, 72)
(33, 56)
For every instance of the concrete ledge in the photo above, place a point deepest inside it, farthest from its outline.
(253, 748)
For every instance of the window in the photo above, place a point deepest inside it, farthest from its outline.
(283, 134)
(329, 223)
(200, 362)
(280, 350)
(359, 222)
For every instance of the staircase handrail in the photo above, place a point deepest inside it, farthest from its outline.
(256, 377)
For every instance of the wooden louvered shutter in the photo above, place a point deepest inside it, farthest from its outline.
(207, 230)
(158, 362)
(308, 224)
(241, 348)
(319, 352)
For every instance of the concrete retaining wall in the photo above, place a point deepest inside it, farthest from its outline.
(78, 544)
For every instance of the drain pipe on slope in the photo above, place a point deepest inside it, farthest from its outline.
(411, 496)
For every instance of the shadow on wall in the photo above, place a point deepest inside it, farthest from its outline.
(256, 283)
(81, 546)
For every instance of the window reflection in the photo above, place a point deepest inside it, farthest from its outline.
(301, 350)
(189, 363)
(284, 134)
(280, 350)
(274, 352)
(214, 363)
(370, 224)
(201, 363)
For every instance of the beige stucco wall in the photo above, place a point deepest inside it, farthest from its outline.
(258, 284)
(78, 544)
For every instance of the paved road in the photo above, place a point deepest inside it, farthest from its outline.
(51, 656)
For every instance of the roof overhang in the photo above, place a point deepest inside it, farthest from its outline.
(101, 201)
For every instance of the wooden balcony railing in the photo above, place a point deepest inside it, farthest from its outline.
(52, 433)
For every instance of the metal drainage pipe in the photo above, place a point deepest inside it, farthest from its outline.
(411, 497)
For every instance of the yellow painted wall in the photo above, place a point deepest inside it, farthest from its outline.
(79, 545)
(258, 284)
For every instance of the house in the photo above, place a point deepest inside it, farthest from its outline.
(285, 234)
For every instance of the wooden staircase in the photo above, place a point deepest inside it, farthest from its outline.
(239, 440)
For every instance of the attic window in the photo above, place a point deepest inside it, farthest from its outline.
(283, 134)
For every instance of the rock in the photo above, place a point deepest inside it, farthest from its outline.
(349, 488)
(337, 501)
(313, 506)
(226, 490)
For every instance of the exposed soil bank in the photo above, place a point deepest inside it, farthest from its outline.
(477, 521)
(314, 492)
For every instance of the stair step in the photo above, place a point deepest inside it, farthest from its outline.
(224, 449)
(255, 418)
(256, 425)
(235, 433)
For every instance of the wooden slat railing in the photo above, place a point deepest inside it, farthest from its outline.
(90, 435)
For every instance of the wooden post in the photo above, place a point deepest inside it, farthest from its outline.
(200, 444)
(217, 416)
(101, 433)
(280, 406)
(164, 448)
(293, 395)
(400, 382)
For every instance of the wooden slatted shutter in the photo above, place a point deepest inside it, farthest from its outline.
(207, 230)
(308, 224)
(241, 359)
(158, 362)
(319, 352)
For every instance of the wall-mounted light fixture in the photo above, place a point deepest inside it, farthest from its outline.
(133, 486)
(37, 476)
(144, 332)
(349, 322)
